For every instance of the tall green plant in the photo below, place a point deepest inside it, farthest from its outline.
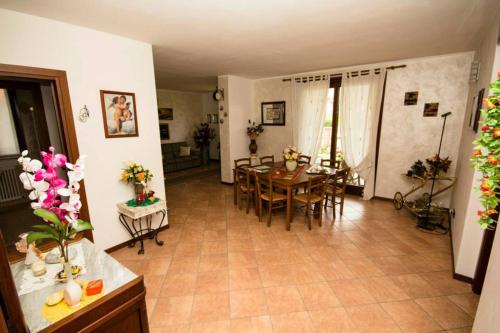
(486, 157)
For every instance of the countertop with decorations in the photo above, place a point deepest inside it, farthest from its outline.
(33, 291)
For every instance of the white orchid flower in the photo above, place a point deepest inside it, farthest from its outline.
(27, 179)
(39, 189)
(39, 203)
(73, 187)
(74, 203)
(76, 174)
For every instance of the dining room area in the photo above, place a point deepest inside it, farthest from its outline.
(293, 184)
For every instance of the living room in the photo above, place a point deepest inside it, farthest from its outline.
(353, 208)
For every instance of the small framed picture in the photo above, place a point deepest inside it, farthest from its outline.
(431, 109)
(164, 132)
(411, 98)
(166, 113)
(119, 114)
(273, 113)
(208, 118)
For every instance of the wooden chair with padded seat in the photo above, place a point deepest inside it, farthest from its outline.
(331, 163)
(265, 192)
(267, 160)
(242, 162)
(313, 194)
(246, 186)
(304, 159)
(336, 189)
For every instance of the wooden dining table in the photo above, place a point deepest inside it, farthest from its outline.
(287, 184)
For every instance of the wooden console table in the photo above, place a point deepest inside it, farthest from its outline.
(122, 308)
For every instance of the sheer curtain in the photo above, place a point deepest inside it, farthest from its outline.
(360, 100)
(309, 109)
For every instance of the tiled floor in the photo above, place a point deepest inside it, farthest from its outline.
(369, 271)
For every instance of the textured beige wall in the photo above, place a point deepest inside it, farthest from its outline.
(406, 135)
(274, 138)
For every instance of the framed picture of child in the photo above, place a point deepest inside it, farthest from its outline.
(119, 114)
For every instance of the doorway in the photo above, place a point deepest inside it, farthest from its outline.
(35, 113)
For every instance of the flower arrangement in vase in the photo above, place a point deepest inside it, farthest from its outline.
(486, 158)
(203, 135)
(55, 199)
(57, 202)
(253, 131)
(291, 154)
(137, 174)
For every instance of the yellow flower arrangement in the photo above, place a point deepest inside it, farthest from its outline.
(135, 173)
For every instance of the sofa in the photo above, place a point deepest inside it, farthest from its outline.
(173, 162)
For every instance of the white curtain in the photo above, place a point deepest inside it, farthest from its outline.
(360, 100)
(309, 110)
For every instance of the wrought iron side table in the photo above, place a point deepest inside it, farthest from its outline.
(132, 219)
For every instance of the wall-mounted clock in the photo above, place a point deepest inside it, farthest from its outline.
(218, 94)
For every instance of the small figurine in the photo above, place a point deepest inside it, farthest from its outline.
(151, 194)
(32, 253)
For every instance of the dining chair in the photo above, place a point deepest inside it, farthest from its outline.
(267, 159)
(331, 163)
(242, 162)
(266, 193)
(304, 159)
(313, 195)
(336, 189)
(246, 186)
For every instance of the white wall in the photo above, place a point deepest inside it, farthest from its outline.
(238, 99)
(94, 61)
(466, 233)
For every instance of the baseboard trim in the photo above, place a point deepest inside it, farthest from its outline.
(462, 278)
(122, 245)
(382, 198)
(226, 183)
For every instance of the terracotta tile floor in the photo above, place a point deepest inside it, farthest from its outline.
(221, 270)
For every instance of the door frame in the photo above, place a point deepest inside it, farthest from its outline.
(61, 88)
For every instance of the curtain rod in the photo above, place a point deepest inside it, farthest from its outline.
(353, 73)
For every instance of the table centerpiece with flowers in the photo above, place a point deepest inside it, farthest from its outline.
(291, 155)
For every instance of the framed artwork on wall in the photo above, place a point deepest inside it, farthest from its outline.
(164, 132)
(215, 118)
(411, 98)
(119, 114)
(431, 109)
(273, 113)
(477, 115)
(166, 113)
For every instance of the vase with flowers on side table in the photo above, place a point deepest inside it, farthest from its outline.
(56, 200)
(203, 136)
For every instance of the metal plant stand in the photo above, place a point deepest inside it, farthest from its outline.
(138, 221)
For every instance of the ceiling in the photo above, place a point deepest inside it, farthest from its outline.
(196, 40)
